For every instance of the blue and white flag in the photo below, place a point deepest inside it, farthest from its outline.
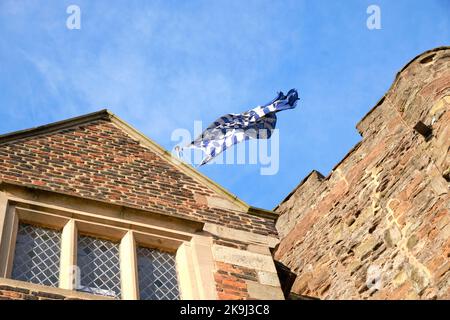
(230, 129)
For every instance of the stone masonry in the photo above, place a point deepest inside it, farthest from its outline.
(378, 226)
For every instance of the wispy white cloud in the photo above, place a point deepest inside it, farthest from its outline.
(155, 62)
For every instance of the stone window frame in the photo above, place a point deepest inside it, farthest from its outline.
(193, 255)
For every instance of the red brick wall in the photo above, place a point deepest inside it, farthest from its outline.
(100, 161)
(230, 281)
(383, 212)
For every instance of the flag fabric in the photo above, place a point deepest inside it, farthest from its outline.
(230, 129)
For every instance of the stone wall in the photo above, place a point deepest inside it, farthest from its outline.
(378, 226)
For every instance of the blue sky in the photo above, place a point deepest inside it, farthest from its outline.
(160, 65)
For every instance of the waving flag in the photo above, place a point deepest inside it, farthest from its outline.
(230, 129)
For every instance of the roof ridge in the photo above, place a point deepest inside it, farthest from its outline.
(55, 126)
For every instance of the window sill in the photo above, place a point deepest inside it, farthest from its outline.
(45, 292)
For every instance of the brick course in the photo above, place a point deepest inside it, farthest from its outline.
(230, 281)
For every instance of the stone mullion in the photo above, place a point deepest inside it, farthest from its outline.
(128, 267)
(68, 273)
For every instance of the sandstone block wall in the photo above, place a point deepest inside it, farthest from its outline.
(378, 227)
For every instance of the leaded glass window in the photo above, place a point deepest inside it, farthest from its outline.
(99, 266)
(157, 275)
(37, 255)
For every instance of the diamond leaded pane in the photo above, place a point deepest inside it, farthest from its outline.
(98, 262)
(37, 254)
(157, 275)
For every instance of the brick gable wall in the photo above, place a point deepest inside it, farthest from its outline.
(100, 161)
